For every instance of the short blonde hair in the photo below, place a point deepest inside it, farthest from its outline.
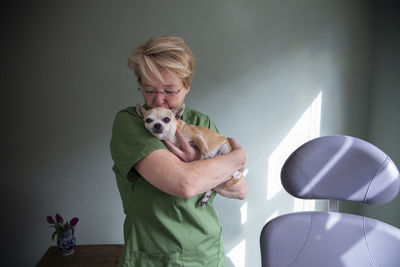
(163, 53)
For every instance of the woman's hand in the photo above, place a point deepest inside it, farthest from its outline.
(239, 152)
(186, 153)
(238, 190)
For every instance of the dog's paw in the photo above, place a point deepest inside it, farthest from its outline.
(245, 171)
(205, 199)
(237, 175)
(203, 203)
(207, 155)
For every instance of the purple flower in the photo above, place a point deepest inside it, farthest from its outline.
(50, 219)
(59, 226)
(74, 221)
(59, 218)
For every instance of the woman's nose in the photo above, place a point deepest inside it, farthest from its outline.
(159, 99)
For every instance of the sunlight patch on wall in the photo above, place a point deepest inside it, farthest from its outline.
(243, 213)
(305, 129)
(303, 204)
(238, 253)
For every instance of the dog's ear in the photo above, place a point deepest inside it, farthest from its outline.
(140, 110)
(179, 111)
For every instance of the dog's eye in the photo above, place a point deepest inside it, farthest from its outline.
(148, 120)
(166, 120)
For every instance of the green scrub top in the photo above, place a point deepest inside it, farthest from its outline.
(161, 229)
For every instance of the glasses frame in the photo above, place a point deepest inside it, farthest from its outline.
(163, 92)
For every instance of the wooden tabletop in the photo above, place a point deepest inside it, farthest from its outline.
(84, 255)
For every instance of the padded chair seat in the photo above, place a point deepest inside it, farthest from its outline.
(308, 239)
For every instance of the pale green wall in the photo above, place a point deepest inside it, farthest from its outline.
(260, 64)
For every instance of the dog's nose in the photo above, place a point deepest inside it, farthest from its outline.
(157, 126)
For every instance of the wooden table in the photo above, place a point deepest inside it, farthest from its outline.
(84, 255)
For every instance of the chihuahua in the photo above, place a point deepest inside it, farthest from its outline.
(162, 123)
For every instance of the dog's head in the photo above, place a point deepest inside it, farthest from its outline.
(160, 122)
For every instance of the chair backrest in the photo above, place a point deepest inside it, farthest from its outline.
(339, 168)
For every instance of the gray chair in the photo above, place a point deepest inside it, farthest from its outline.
(334, 168)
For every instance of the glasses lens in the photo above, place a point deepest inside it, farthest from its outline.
(147, 90)
(169, 91)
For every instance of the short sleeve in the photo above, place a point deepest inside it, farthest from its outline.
(191, 116)
(130, 141)
(212, 126)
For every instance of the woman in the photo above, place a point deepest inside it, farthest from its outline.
(160, 187)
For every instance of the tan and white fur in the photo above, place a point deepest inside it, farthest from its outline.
(163, 122)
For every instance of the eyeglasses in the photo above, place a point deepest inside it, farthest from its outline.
(165, 91)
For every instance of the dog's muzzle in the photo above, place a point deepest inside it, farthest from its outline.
(158, 128)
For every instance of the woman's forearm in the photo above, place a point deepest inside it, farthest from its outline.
(206, 174)
(168, 173)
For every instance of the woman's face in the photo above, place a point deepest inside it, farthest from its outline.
(169, 94)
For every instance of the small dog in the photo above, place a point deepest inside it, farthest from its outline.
(162, 123)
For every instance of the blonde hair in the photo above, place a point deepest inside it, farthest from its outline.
(163, 53)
